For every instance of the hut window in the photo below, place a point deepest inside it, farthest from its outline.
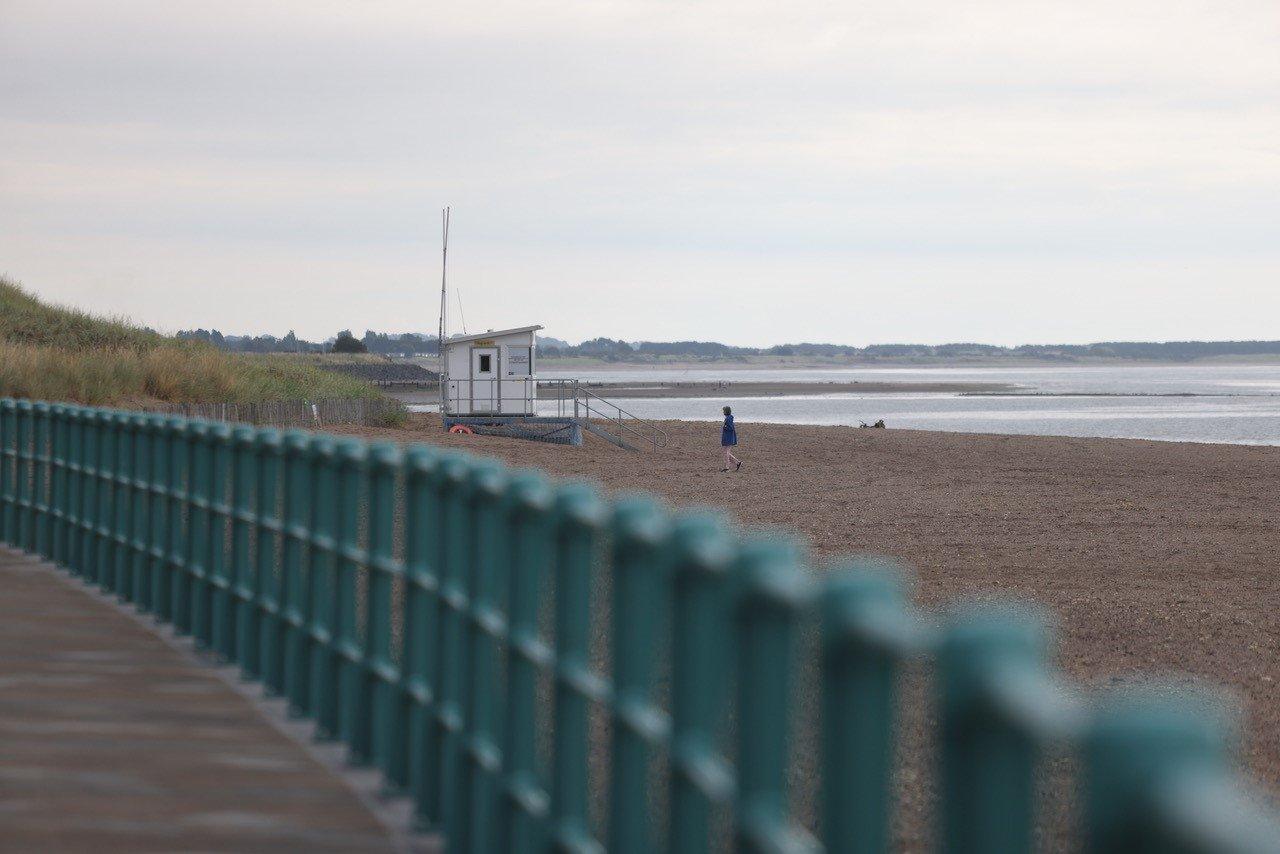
(486, 363)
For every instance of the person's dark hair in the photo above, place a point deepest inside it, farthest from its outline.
(728, 411)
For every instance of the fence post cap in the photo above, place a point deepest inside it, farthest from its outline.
(268, 439)
(197, 428)
(701, 543)
(531, 490)
(58, 409)
(24, 406)
(296, 440)
(121, 418)
(1169, 721)
(7, 403)
(488, 478)
(243, 435)
(41, 406)
(220, 431)
(157, 422)
(421, 459)
(858, 595)
(140, 419)
(455, 467)
(1016, 629)
(353, 452)
(580, 503)
(768, 573)
(322, 447)
(384, 456)
(640, 519)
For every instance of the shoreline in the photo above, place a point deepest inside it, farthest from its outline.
(699, 388)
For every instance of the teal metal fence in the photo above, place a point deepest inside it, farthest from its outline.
(443, 617)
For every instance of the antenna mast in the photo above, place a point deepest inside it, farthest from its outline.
(444, 306)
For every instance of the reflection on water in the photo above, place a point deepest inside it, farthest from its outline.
(1238, 404)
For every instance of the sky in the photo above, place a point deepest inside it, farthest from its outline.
(753, 173)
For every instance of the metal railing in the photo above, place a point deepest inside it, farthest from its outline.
(488, 394)
(446, 619)
(573, 399)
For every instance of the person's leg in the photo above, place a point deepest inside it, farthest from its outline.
(728, 456)
(737, 463)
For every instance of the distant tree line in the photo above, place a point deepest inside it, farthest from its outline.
(406, 344)
(616, 350)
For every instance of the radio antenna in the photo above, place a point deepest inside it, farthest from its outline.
(444, 310)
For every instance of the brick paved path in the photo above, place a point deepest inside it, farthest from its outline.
(112, 739)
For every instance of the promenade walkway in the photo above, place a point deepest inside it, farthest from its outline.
(114, 739)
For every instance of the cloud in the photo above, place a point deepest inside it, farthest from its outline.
(869, 156)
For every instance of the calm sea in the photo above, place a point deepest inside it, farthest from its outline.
(1237, 404)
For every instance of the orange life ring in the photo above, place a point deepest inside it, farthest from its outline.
(461, 429)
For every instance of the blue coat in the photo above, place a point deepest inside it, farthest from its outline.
(728, 433)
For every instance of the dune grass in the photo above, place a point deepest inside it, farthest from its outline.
(53, 353)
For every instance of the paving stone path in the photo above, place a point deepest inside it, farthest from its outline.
(112, 739)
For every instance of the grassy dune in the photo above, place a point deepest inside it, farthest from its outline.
(54, 353)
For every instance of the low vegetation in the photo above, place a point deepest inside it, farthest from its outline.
(54, 353)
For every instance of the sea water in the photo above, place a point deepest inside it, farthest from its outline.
(1238, 404)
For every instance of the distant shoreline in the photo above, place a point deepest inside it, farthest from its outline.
(748, 363)
(689, 389)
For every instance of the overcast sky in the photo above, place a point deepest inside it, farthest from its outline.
(748, 172)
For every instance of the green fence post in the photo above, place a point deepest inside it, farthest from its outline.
(244, 641)
(987, 762)
(524, 801)
(580, 518)
(772, 592)
(418, 618)
(1158, 778)
(26, 539)
(382, 667)
(322, 570)
(108, 491)
(866, 632)
(75, 488)
(57, 483)
(353, 713)
(481, 755)
(140, 565)
(158, 548)
(451, 663)
(122, 573)
(8, 443)
(221, 637)
(640, 574)
(200, 464)
(698, 777)
(181, 520)
(40, 477)
(269, 662)
(8, 458)
(297, 497)
(90, 483)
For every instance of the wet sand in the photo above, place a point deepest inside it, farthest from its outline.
(1155, 557)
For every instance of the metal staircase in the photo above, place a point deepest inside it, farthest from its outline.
(601, 417)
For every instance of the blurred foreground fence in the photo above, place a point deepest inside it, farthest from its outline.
(371, 411)
(437, 613)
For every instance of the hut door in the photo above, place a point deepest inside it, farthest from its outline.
(484, 379)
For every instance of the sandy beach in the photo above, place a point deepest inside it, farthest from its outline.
(1154, 557)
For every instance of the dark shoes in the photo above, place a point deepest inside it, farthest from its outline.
(738, 467)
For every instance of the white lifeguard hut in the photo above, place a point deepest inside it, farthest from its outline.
(490, 373)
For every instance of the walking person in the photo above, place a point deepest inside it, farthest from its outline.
(729, 438)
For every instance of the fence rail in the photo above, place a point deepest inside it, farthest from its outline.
(434, 611)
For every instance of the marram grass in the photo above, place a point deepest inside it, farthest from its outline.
(53, 353)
